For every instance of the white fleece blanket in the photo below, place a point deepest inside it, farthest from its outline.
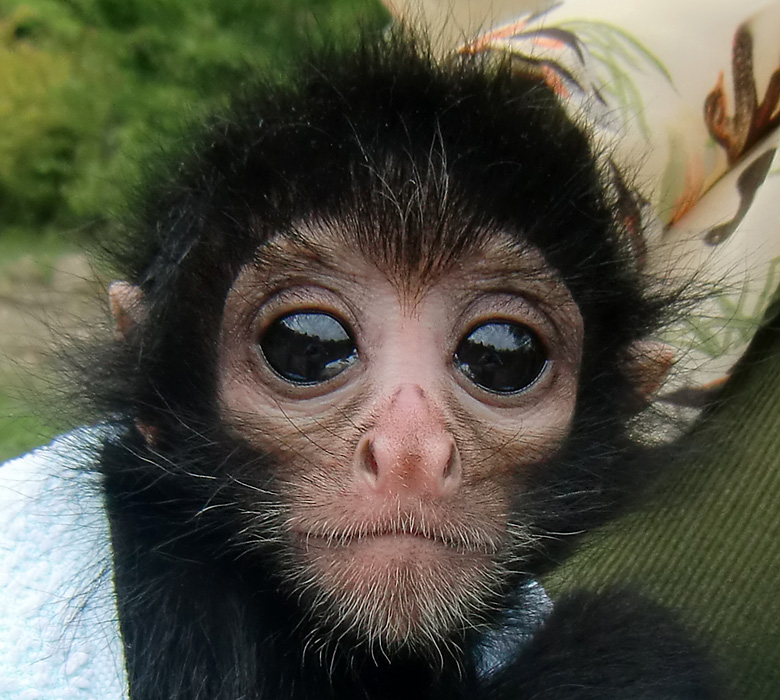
(59, 636)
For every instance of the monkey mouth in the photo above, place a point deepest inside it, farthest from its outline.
(450, 538)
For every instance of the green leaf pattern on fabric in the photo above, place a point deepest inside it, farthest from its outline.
(618, 54)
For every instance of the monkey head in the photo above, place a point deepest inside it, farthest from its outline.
(382, 334)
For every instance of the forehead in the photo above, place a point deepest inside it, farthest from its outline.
(487, 259)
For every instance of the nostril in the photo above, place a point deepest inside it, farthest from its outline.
(367, 464)
(450, 466)
(451, 474)
(370, 459)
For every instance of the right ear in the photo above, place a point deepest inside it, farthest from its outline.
(648, 365)
(127, 307)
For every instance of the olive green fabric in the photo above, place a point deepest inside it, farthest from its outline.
(708, 543)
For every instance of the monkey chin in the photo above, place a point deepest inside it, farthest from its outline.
(395, 592)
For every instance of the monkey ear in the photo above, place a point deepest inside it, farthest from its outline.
(127, 307)
(647, 365)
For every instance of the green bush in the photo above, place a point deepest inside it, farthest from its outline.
(89, 89)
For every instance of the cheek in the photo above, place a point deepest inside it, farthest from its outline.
(241, 406)
(302, 445)
(310, 455)
(249, 412)
(513, 438)
(549, 423)
(545, 429)
(237, 397)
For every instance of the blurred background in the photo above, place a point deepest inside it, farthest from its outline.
(90, 92)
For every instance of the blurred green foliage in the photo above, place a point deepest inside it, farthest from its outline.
(20, 430)
(89, 89)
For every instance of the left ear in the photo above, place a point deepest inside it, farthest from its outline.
(647, 365)
(127, 307)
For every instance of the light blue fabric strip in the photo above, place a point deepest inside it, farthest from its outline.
(528, 609)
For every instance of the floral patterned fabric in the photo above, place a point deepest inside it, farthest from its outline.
(684, 98)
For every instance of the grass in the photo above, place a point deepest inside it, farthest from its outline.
(21, 429)
(26, 263)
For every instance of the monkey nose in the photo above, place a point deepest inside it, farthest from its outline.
(426, 466)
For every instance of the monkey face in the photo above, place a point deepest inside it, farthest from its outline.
(403, 411)
(376, 343)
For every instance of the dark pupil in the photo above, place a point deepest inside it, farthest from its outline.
(308, 348)
(501, 357)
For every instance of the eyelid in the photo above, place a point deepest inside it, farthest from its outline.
(507, 307)
(508, 320)
(307, 298)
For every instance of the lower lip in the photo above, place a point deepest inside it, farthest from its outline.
(387, 537)
(401, 545)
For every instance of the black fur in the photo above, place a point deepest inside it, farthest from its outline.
(614, 646)
(359, 139)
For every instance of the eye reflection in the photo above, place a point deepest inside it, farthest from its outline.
(501, 357)
(308, 347)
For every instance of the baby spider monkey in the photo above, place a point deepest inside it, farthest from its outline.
(379, 346)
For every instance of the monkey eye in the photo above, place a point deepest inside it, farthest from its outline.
(308, 347)
(501, 357)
